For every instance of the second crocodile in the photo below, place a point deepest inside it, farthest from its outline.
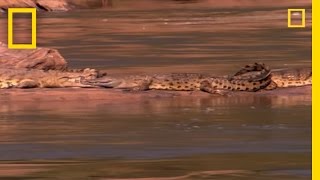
(250, 78)
(34, 78)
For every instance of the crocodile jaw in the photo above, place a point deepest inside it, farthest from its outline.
(105, 82)
(73, 82)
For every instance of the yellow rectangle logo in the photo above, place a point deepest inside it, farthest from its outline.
(33, 44)
(303, 18)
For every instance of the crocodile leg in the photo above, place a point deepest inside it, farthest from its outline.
(6, 84)
(28, 83)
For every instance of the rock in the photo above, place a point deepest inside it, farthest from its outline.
(40, 58)
(52, 5)
(88, 3)
(5, 4)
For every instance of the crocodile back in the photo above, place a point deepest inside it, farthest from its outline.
(177, 81)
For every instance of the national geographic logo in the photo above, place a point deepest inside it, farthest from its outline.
(33, 12)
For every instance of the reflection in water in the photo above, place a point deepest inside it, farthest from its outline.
(241, 130)
(108, 127)
(159, 105)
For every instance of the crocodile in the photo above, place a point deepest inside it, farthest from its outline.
(250, 78)
(34, 78)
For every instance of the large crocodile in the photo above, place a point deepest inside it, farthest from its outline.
(34, 78)
(250, 78)
(41, 67)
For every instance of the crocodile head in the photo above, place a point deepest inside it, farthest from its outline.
(69, 79)
(106, 82)
(128, 82)
(73, 82)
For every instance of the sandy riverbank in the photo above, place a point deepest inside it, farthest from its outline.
(93, 94)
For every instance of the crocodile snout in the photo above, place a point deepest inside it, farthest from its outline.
(106, 82)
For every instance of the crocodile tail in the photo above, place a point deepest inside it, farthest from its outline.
(292, 77)
(253, 72)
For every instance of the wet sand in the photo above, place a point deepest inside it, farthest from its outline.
(112, 95)
(195, 167)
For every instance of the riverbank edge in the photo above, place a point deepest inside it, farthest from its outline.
(112, 95)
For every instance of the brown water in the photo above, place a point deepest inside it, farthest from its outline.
(267, 137)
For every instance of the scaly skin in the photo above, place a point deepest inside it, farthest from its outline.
(291, 77)
(190, 82)
(282, 78)
(33, 78)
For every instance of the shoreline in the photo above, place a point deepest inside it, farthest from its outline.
(111, 95)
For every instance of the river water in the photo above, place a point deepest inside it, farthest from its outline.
(267, 137)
